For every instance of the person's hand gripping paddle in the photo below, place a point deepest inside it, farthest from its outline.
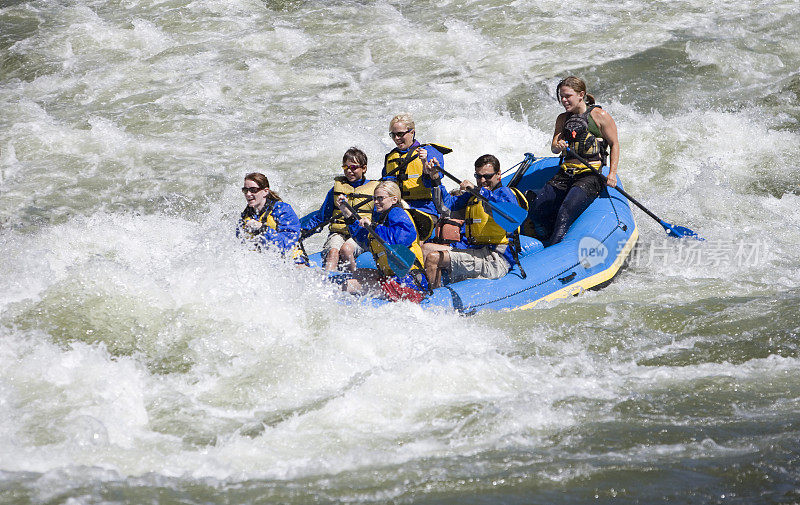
(400, 257)
(509, 216)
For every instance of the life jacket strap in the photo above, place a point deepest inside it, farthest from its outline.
(402, 163)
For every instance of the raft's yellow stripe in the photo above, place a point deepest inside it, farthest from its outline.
(582, 285)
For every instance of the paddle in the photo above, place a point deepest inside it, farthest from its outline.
(400, 257)
(523, 165)
(506, 214)
(671, 229)
(328, 221)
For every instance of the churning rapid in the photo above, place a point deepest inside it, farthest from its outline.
(145, 356)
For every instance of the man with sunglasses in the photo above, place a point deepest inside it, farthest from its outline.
(485, 251)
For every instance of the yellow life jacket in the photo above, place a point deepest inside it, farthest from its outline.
(380, 255)
(408, 170)
(480, 228)
(265, 216)
(355, 196)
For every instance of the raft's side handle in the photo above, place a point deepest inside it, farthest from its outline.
(568, 278)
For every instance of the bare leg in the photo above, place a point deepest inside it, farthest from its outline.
(429, 247)
(364, 280)
(431, 250)
(348, 257)
(435, 262)
(352, 286)
(332, 260)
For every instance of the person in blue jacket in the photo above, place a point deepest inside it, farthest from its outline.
(340, 247)
(267, 221)
(406, 165)
(485, 251)
(395, 225)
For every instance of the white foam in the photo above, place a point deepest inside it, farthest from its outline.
(253, 337)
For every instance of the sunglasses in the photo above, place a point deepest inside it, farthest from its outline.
(351, 167)
(483, 176)
(396, 135)
(381, 198)
(251, 190)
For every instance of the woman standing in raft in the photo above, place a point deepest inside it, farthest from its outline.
(267, 221)
(589, 131)
(395, 225)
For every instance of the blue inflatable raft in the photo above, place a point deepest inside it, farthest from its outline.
(590, 255)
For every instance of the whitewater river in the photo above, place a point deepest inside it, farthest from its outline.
(145, 357)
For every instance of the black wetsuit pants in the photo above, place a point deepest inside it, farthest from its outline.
(559, 203)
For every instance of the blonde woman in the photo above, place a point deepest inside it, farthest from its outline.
(395, 226)
(405, 164)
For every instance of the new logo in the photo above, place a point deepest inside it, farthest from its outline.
(591, 252)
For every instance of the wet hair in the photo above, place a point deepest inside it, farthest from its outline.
(577, 84)
(393, 189)
(355, 155)
(404, 118)
(263, 183)
(488, 159)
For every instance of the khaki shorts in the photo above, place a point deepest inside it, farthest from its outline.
(337, 240)
(483, 263)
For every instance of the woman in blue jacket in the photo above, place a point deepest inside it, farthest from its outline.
(394, 224)
(267, 221)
